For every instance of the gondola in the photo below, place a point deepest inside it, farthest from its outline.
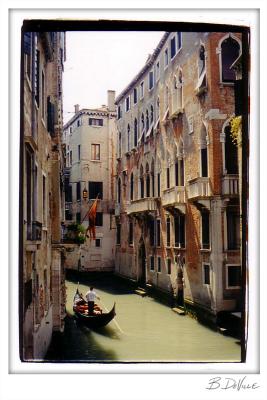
(97, 320)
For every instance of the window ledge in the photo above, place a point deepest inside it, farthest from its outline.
(96, 161)
(205, 250)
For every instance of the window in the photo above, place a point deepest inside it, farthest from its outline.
(151, 114)
(152, 232)
(179, 173)
(95, 122)
(168, 177)
(118, 234)
(70, 129)
(79, 152)
(130, 232)
(166, 58)
(135, 132)
(152, 263)
(206, 274)
(68, 215)
(50, 116)
(233, 276)
(141, 90)
(27, 52)
(95, 152)
(230, 50)
(78, 123)
(147, 185)
(158, 179)
(68, 190)
(119, 190)
(202, 78)
(99, 219)
(205, 229)
(78, 191)
(169, 266)
(131, 187)
(158, 233)
(201, 61)
(95, 188)
(151, 80)
(231, 157)
(157, 71)
(168, 232)
(179, 230)
(128, 138)
(98, 243)
(173, 47)
(71, 157)
(135, 95)
(37, 77)
(159, 264)
(119, 112)
(233, 228)
(147, 121)
(127, 103)
(179, 40)
(141, 175)
(204, 162)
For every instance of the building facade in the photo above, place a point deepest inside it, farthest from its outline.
(90, 147)
(42, 284)
(177, 211)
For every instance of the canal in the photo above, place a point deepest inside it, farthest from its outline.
(144, 330)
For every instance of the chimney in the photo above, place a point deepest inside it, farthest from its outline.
(76, 108)
(111, 100)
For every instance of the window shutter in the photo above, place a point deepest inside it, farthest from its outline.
(27, 43)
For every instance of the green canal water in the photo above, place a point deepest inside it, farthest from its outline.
(144, 330)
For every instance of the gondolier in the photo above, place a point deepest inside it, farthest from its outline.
(90, 297)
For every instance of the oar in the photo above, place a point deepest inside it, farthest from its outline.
(116, 323)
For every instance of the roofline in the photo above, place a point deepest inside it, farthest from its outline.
(145, 68)
(88, 111)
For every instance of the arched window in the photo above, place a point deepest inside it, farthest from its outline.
(179, 166)
(203, 152)
(151, 114)
(177, 95)
(119, 190)
(141, 177)
(231, 158)
(157, 108)
(153, 178)
(147, 181)
(128, 138)
(131, 187)
(135, 132)
(201, 61)
(147, 121)
(230, 50)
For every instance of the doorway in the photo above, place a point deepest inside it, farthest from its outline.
(142, 263)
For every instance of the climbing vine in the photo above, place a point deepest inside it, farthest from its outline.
(236, 130)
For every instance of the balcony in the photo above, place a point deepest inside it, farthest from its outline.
(230, 185)
(139, 206)
(34, 231)
(174, 198)
(199, 188)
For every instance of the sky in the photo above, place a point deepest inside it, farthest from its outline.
(100, 61)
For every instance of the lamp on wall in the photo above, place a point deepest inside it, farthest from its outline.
(85, 193)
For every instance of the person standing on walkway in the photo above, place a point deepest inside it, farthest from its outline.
(90, 297)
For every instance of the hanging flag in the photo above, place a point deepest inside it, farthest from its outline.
(92, 219)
